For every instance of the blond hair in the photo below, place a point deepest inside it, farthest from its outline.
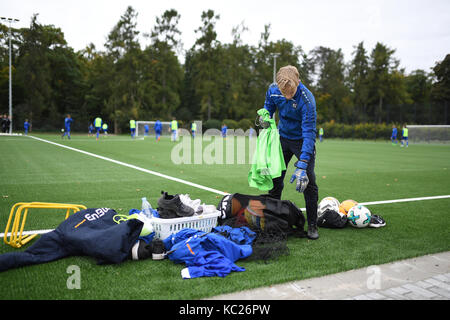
(287, 79)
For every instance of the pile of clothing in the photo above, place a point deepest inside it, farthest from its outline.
(209, 254)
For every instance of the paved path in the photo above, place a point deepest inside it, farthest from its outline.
(421, 278)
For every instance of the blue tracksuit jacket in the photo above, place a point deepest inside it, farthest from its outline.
(297, 116)
(91, 232)
(206, 254)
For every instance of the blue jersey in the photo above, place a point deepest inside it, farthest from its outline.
(158, 126)
(224, 130)
(67, 123)
(297, 116)
(394, 132)
(26, 125)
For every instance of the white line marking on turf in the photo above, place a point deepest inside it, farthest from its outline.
(404, 200)
(135, 167)
(303, 209)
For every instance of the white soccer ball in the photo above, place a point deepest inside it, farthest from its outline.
(328, 203)
(359, 216)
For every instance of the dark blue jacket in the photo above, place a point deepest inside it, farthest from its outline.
(91, 232)
(297, 116)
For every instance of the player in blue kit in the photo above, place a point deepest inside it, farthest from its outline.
(224, 130)
(394, 135)
(67, 123)
(158, 130)
(26, 126)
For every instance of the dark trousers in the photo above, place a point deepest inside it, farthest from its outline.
(311, 193)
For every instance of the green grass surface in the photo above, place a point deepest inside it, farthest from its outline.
(32, 170)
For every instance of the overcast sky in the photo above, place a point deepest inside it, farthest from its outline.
(418, 30)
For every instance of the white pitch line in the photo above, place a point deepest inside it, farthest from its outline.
(303, 209)
(135, 167)
(404, 200)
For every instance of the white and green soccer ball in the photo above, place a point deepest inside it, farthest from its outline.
(328, 203)
(359, 216)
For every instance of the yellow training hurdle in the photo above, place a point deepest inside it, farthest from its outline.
(16, 237)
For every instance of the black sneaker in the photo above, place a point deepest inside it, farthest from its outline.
(141, 250)
(376, 221)
(158, 252)
(167, 214)
(173, 203)
(312, 234)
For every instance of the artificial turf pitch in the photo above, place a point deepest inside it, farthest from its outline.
(32, 170)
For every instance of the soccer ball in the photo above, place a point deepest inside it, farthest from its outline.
(327, 203)
(359, 216)
(62, 130)
(346, 205)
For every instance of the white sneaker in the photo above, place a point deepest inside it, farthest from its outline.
(207, 208)
(194, 204)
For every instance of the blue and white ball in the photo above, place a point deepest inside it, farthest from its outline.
(359, 216)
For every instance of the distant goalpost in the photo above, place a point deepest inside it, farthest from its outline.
(165, 131)
(140, 128)
(429, 133)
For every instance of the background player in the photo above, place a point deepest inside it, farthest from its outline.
(394, 135)
(193, 129)
(405, 136)
(132, 128)
(158, 129)
(98, 126)
(67, 123)
(174, 129)
(26, 126)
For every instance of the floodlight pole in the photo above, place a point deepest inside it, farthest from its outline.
(275, 55)
(10, 20)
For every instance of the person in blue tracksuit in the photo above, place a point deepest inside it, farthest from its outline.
(297, 128)
(26, 126)
(224, 130)
(67, 123)
(394, 135)
(158, 129)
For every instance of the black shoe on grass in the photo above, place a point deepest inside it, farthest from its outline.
(376, 221)
(312, 234)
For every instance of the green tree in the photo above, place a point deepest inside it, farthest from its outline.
(418, 84)
(166, 68)
(358, 81)
(206, 60)
(48, 70)
(441, 87)
(382, 65)
(332, 93)
(124, 49)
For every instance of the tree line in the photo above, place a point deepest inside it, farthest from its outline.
(217, 82)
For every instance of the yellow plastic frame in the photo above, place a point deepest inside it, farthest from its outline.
(16, 238)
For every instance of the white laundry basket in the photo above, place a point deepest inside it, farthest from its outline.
(165, 227)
